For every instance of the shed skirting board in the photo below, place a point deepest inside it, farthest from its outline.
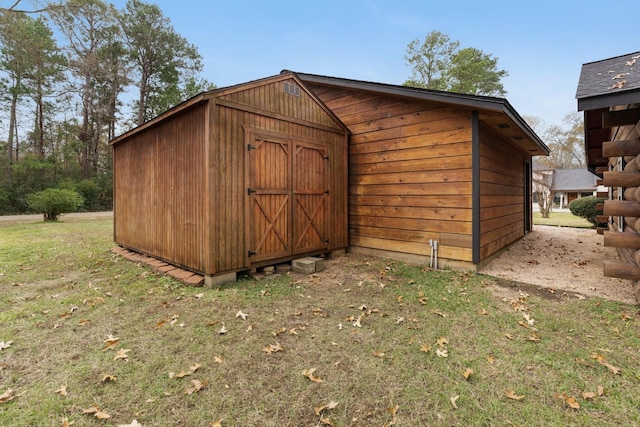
(412, 258)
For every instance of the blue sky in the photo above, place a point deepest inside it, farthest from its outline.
(541, 44)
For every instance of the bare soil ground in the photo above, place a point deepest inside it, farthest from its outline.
(562, 260)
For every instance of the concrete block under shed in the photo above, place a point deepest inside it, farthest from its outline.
(303, 265)
(307, 265)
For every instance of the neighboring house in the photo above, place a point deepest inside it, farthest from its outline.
(571, 184)
(609, 94)
(232, 179)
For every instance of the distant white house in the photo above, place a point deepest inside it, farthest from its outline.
(568, 184)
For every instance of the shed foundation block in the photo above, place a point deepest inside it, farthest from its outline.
(303, 265)
(220, 279)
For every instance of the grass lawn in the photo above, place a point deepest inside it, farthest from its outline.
(561, 219)
(89, 338)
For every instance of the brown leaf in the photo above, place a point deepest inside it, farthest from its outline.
(197, 386)
(279, 332)
(217, 423)
(62, 391)
(511, 394)
(110, 343)
(309, 374)
(442, 341)
(191, 370)
(273, 348)
(425, 347)
(108, 377)
(329, 405)
(587, 395)
(96, 412)
(122, 354)
(467, 373)
(7, 396)
(327, 421)
(453, 401)
(134, 423)
(66, 423)
(600, 390)
(218, 359)
(379, 354)
(569, 400)
(442, 352)
(393, 411)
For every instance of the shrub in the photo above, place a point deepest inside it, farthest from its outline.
(585, 207)
(54, 201)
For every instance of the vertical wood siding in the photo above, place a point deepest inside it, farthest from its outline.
(502, 192)
(159, 189)
(267, 108)
(410, 173)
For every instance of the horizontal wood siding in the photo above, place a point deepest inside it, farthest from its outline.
(269, 109)
(502, 193)
(159, 189)
(410, 173)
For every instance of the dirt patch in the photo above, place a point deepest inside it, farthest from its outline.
(561, 260)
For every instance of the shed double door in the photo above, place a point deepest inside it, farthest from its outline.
(288, 197)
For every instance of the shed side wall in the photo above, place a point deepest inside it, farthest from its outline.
(159, 189)
(502, 192)
(410, 174)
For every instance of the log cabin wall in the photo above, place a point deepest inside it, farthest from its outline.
(502, 192)
(409, 176)
(622, 210)
(159, 188)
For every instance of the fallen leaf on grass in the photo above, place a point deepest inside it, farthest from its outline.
(4, 345)
(588, 395)
(134, 423)
(122, 354)
(442, 352)
(453, 401)
(330, 405)
(273, 348)
(533, 337)
(218, 359)
(603, 361)
(600, 390)
(511, 394)
(279, 332)
(309, 374)
(425, 347)
(222, 330)
(96, 412)
(393, 411)
(110, 343)
(467, 373)
(442, 341)
(379, 354)
(7, 396)
(326, 421)
(569, 400)
(217, 423)
(197, 386)
(241, 315)
(191, 370)
(66, 423)
(107, 378)
(357, 323)
(62, 391)
(438, 313)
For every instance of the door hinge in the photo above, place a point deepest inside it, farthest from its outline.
(250, 191)
(251, 253)
(326, 157)
(327, 241)
(250, 147)
(326, 191)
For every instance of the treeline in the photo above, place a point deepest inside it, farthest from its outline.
(72, 76)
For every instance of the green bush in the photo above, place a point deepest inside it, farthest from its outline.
(585, 207)
(54, 201)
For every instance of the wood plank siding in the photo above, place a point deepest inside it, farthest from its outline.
(502, 192)
(183, 184)
(159, 185)
(409, 174)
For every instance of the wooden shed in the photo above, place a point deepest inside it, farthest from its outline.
(430, 167)
(234, 179)
(609, 95)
